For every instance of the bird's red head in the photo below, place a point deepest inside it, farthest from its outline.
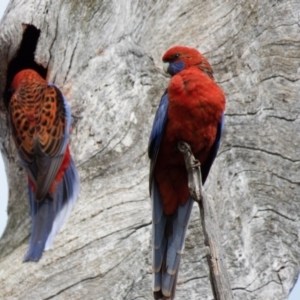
(179, 57)
(24, 75)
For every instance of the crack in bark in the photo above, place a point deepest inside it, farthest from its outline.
(129, 289)
(280, 76)
(53, 41)
(91, 242)
(248, 170)
(144, 274)
(285, 179)
(100, 275)
(134, 229)
(110, 207)
(192, 279)
(119, 190)
(197, 260)
(278, 275)
(260, 287)
(243, 115)
(275, 27)
(125, 203)
(284, 118)
(277, 213)
(95, 11)
(260, 150)
(71, 61)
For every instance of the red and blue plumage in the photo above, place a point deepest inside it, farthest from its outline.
(40, 119)
(191, 110)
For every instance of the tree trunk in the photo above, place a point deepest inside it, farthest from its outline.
(105, 56)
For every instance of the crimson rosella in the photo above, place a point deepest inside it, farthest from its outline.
(190, 110)
(40, 119)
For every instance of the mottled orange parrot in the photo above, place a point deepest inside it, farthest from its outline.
(191, 110)
(40, 119)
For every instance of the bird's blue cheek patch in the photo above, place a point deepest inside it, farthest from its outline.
(176, 67)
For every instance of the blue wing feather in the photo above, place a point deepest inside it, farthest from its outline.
(205, 167)
(158, 127)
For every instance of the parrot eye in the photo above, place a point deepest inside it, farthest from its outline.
(175, 56)
(172, 58)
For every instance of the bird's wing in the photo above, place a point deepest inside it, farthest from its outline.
(53, 132)
(205, 167)
(158, 128)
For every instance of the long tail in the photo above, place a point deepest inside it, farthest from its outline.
(168, 236)
(48, 215)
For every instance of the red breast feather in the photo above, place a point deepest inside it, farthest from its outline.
(196, 104)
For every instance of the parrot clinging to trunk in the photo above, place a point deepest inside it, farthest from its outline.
(40, 119)
(190, 110)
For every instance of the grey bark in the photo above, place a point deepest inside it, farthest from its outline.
(105, 57)
(219, 278)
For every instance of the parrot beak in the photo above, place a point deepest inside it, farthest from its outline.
(166, 67)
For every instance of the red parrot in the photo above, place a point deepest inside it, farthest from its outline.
(190, 110)
(40, 119)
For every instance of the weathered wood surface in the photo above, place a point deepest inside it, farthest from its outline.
(105, 56)
(218, 274)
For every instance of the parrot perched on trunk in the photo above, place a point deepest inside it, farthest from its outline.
(40, 120)
(190, 110)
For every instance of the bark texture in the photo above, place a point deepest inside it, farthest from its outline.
(105, 57)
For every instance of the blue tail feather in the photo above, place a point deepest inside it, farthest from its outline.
(158, 235)
(168, 237)
(48, 215)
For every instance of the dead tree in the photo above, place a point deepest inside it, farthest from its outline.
(106, 58)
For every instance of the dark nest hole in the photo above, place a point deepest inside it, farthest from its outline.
(24, 59)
